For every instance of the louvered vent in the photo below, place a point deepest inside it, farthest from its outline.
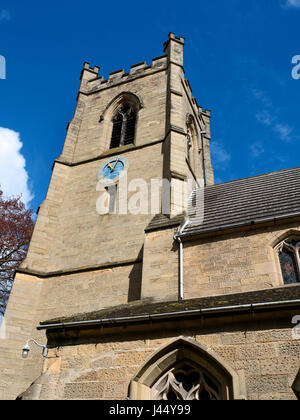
(123, 127)
(117, 132)
(130, 129)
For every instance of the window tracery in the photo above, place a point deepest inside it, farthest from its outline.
(124, 122)
(186, 382)
(289, 258)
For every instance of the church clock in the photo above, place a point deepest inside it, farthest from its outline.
(112, 170)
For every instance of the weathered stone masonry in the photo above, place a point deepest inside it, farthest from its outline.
(109, 283)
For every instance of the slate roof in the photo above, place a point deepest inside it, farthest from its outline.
(247, 201)
(283, 294)
(243, 202)
(161, 221)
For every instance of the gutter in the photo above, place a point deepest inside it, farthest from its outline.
(180, 292)
(222, 310)
(241, 224)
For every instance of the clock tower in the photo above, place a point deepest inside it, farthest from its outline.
(133, 143)
(144, 125)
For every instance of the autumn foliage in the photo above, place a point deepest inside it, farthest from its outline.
(16, 228)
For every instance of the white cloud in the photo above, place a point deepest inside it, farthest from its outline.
(264, 117)
(262, 97)
(292, 4)
(256, 149)
(284, 131)
(4, 15)
(13, 175)
(269, 117)
(220, 156)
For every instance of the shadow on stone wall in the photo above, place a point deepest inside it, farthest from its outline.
(135, 279)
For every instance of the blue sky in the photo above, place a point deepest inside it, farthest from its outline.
(237, 58)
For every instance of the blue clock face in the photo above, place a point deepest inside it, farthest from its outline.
(112, 170)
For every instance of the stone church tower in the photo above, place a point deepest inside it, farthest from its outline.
(127, 288)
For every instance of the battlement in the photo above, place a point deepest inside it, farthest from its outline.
(87, 67)
(93, 82)
(172, 37)
(207, 112)
(120, 76)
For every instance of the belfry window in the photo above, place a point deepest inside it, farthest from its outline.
(124, 122)
(192, 149)
(188, 146)
(289, 257)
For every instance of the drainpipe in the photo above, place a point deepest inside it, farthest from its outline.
(203, 156)
(180, 293)
(177, 237)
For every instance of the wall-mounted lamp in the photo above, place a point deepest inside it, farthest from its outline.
(26, 348)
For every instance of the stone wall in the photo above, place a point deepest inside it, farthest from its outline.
(231, 263)
(18, 326)
(261, 352)
(255, 267)
(34, 299)
(82, 237)
(234, 263)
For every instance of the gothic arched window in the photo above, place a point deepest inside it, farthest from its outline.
(289, 257)
(187, 382)
(124, 121)
(188, 146)
(186, 370)
(192, 147)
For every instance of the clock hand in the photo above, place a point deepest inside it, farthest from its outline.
(115, 164)
(111, 168)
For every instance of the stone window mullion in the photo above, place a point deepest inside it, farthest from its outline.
(295, 251)
(297, 247)
(123, 131)
(124, 126)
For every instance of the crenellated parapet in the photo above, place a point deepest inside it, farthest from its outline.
(88, 73)
(93, 70)
(92, 82)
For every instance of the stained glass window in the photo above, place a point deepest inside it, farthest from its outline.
(290, 260)
(288, 267)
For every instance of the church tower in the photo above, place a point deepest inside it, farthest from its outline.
(149, 121)
(131, 293)
(132, 137)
